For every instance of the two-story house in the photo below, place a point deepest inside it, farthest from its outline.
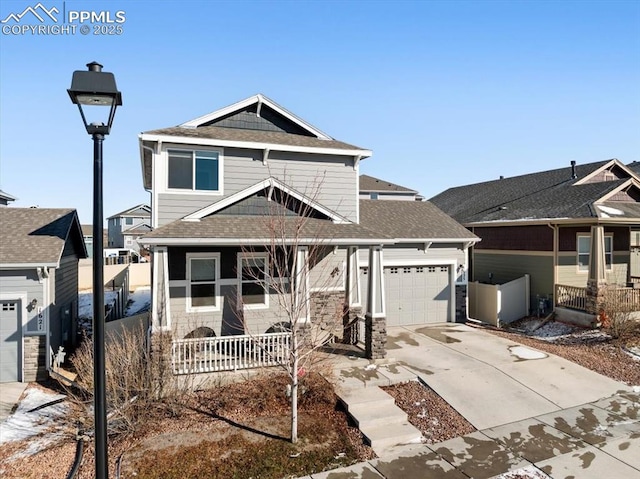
(125, 228)
(216, 183)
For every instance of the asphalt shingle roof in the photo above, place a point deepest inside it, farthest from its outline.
(34, 236)
(379, 220)
(543, 195)
(252, 136)
(410, 219)
(370, 183)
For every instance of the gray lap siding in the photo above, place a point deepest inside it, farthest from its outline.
(330, 180)
(226, 319)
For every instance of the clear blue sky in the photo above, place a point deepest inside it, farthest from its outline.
(444, 93)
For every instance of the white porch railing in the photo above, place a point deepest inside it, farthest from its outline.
(571, 297)
(229, 353)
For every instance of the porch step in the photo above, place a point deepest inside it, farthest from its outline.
(374, 414)
(353, 398)
(383, 424)
(382, 437)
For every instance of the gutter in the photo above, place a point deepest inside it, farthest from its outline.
(256, 145)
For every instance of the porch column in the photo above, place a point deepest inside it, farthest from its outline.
(375, 317)
(301, 286)
(353, 303)
(160, 307)
(597, 281)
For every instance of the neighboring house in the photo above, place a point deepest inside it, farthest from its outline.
(39, 254)
(215, 180)
(126, 227)
(6, 198)
(542, 224)
(87, 234)
(375, 189)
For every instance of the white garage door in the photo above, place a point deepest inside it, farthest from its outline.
(415, 294)
(9, 341)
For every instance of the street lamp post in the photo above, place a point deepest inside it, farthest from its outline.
(90, 89)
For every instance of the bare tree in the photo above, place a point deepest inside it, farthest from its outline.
(619, 312)
(296, 260)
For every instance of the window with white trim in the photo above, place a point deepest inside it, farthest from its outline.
(128, 221)
(253, 277)
(583, 248)
(203, 287)
(195, 170)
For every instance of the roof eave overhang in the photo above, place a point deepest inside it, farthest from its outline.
(261, 241)
(553, 221)
(474, 239)
(390, 192)
(252, 145)
(28, 265)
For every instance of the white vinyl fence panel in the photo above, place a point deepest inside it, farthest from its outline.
(499, 304)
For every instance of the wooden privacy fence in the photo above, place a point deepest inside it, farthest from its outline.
(229, 353)
(498, 304)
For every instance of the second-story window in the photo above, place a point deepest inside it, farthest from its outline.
(194, 170)
(128, 221)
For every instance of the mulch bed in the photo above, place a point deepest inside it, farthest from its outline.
(427, 411)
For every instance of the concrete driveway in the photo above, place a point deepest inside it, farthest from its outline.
(490, 380)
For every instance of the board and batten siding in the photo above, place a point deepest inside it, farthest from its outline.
(508, 267)
(64, 303)
(328, 179)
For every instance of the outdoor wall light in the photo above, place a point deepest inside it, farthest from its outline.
(93, 91)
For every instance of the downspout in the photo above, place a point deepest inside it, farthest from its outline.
(554, 228)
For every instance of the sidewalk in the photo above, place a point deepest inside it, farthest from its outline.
(9, 395)
(592, 441)
(532, 410)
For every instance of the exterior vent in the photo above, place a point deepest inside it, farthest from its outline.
(574, 175)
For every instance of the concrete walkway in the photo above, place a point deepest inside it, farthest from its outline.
(532, 410)
(9, 396)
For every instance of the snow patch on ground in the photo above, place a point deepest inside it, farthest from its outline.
(139, 301)
(528, 472)
(85, 302)
(522, 352)
(28, 420)
(634, 352)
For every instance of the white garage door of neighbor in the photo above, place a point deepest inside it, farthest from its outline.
(415, 294)
(9, 341)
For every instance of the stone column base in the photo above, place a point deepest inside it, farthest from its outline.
(375, 337)
(351, 331)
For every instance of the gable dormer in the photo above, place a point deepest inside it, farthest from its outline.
(610, 171)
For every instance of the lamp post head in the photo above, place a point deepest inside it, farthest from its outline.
(94, 88)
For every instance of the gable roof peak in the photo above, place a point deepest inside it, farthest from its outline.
(258, 99)
(371, 183)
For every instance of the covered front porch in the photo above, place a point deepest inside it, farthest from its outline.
(353, 324)
(601, 295)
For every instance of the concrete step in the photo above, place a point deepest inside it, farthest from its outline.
(354, 397)
(372, 414)
(385, 436)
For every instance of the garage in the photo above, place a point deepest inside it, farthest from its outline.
(9, 341)
(415, 294)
